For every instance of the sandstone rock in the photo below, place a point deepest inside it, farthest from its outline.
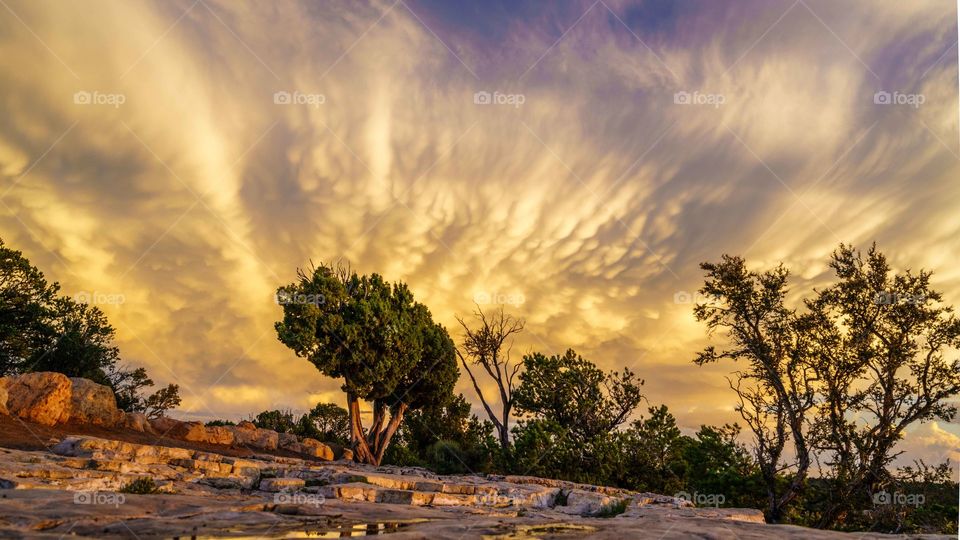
(41, 397)
(220, 435)
(281, 484)
(249, 435)
(3, 395)
(93, 403)
(340, 452)
(288, 441)
(197, 432)
(164, 425)
(136, 422)
(315, 448)
(226, 482)
(246, 424)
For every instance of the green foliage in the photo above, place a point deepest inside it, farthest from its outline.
(141, 486)
(446, 437)
(653, 453)
(161, 401)
(326, 422)
(575, 395)
(377, 339)
(571, 411)
(26, 301)
(279, 421)
(716, 463)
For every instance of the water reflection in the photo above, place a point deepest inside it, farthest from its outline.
(333, 531)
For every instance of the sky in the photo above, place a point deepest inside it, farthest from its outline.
(175, 162)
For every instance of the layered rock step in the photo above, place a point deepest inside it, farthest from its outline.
(90, 463)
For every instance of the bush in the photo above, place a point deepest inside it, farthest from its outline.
(141, 486)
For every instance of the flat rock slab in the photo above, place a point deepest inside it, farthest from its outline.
(75, 489)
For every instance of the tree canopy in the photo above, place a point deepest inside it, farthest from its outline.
(373, 335)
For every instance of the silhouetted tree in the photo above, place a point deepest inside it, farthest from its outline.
(488, 346)
(775, 388)
(880, 340)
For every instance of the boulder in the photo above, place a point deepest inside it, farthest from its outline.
(137, 422)
(92, 403)
(3, 395)
(315, 448)
(341, 452)
(42, 397)
(220, 435)
(164, 425)
(247, 434)
(197, 432)
(288, 441)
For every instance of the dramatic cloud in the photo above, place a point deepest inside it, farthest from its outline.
(148, 150)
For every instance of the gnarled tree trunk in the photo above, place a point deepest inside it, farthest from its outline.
(370, 446)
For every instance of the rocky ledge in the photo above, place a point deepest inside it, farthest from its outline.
(50, 399)
(83, 486)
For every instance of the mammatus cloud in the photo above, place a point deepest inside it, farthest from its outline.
(649, 138)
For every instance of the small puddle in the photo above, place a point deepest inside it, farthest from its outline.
(521, 532)
(331, 531)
